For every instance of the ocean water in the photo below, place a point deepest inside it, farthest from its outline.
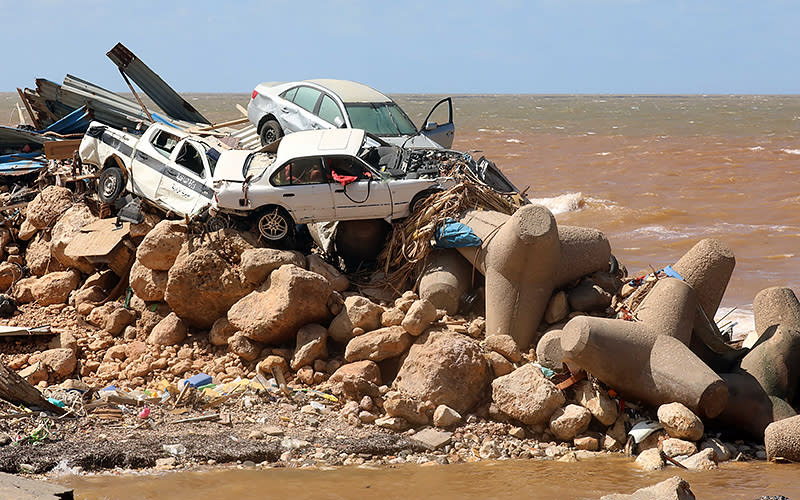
(655, 173)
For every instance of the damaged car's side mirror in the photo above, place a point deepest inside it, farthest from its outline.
(430, 126)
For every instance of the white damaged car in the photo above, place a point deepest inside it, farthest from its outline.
(317, 176)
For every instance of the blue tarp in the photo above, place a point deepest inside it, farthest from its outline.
(453, 234)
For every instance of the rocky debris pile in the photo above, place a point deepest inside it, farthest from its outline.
(561, 353)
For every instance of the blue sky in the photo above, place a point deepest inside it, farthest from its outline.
(433, 46)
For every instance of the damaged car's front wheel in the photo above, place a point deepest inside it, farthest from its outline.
(275, 225)
(110, 184)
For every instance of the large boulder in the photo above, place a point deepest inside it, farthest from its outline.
(291, 298)
(338, 281)
(258, 263)
(673, 488)
(569, 421)
(444, 368)
(48, 206)
(419, 317)
(358, 312)
(148, 284)
(38, 257)
(378, 345)
(680, 422)
(54, 288)
(527, 395)
(161, 246)
(597, 401)
(204, 282)
(66, 228)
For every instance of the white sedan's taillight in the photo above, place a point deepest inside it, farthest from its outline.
(255, 93)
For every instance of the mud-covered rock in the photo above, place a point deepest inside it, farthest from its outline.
(169, 331)
(54, 288)
(338, 281)
(367, 370)
(147, 284)
(60, 362)
(112, 317)
(378, 345)
(47, 206)
(419, 316)
(680, 422)
(64, 231)
(204, 282)
(161, 246)
(9, 273)
(527, 395)
(221, 331)
(569, 421)
(358, 312)
(243, 347)
(444, 368)
(38, 257)
(311, 345)
(291, 298)
(258, 263)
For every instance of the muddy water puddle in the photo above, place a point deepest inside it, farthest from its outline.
(505, 479)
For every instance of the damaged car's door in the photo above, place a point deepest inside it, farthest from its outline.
(184, 186)
(297, 109)
(441, 133)
(302, 186)
(358, 192)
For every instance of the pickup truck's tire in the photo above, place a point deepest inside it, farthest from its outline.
(275, 225)
(270, 132)
(420, 197)
(110, 185)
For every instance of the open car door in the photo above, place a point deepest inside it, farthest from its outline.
(442, 133)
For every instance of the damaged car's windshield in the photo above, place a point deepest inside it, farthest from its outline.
(256, 164)
(382, 119)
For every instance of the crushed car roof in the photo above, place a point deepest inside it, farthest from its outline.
(346, 141)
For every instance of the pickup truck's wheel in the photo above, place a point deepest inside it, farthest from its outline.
(110, 184)
(274, 224)
(418, 198)
(270, 132)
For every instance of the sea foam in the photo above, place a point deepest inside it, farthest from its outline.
(568, 202)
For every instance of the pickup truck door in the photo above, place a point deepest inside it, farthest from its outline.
(184, 187)
(368, 197)
(441, 133)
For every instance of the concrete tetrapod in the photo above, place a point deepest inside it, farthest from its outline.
(669, 309)
(524, 257)
(749, 407)
(771, 307)
(643, 365)
(447, 276)
(775, 362)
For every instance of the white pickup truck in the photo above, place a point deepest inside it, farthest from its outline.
(166, 166)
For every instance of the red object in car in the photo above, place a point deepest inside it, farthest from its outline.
(255, 93)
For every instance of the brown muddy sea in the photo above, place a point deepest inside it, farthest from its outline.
(656, 174)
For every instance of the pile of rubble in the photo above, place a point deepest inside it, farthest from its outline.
(163, 312)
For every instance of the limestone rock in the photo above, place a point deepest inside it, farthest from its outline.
(169, 331)
(650, 460)
(432, 439)
(673, 447)
(38, 257)
(311, 345)
(35, 373)
(221, 331)
(722, 450)
(703, 460)
(147, 284)
(378, 345)
(419, 316)
(88, 296)
(782, 439)
(396, 424)
(26, 230)
(366, 370)
(392, 317)
(244, 347)
(673, 488)
(112, 317)
(292, 297)
(64, 340)
(258, 263)
(680, 422)
(9, 273)
(569, 421)
(161, 246)
(500, 365)
(266, 365)
(358, 312)
(527, 395)
(64, 231)
(204, 282)
(586, 443)
(505, 345)
(47, 206)
(61, 362)
(54, 288)
(597, 401)
(444, 368)
(23, 290)
(400, 405)
(444, 417)
(338, 281)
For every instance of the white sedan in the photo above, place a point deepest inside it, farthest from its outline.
(316, 176)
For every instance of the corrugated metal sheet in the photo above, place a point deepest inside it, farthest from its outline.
(15, 138)
(74, 123)
(248, 137)
(156, 89)
(21, 163)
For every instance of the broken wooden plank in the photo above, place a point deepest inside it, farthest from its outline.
(201, 418)
(215, 126)
(19, 391)
(27, 105)
(12, 331)
(61, 150)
